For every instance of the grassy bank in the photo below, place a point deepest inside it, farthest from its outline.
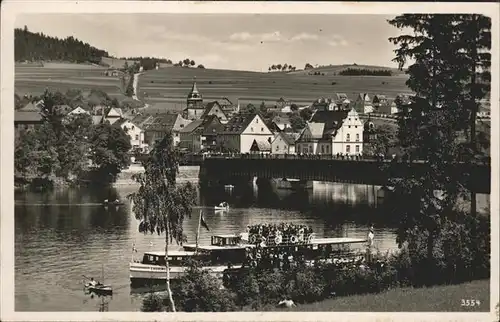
(438, 298)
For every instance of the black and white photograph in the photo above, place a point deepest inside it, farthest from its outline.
(296, 159)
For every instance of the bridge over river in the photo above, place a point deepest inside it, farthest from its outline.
(326, 168)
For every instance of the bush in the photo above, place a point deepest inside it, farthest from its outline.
(308, 285)
(153, 303)
(198, 291)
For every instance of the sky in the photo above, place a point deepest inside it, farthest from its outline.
(230, 41)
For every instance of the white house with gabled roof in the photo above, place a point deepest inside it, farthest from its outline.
(239, 133)
(332, 132)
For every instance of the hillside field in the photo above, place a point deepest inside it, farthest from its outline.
(171, 85)
(33, 80)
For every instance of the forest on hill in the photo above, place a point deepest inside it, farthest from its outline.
(30, 46)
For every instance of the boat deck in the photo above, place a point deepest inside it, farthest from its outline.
(315, 241)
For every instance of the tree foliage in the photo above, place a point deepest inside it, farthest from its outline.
(297, 122)
(365, 72)
(109, 153)
(429, 125)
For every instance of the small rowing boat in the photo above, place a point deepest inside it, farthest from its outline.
(99, 288)
(113, 203)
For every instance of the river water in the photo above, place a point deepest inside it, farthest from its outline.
(65, 234)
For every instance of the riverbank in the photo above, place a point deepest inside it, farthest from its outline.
(186, 173)
(447, 298)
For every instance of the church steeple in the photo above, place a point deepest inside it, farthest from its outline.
(194, 98)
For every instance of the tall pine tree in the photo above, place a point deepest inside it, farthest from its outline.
(441, 68)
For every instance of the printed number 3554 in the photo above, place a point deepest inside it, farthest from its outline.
(470, 303)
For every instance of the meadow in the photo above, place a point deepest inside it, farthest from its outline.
(173, 84)
(444, 298)
(34, 79)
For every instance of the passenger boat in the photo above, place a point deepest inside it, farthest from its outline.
(151, 269)
(229, 252)
(222, 206)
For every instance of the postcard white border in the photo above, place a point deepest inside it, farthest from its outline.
(14, 7)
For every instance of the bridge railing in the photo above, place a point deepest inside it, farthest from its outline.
(365, 158)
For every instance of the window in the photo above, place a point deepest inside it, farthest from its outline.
(355, 126)
(277, 147)
(137, 137)
(251, 129)
(262, 129)
(349, 126)
(357, 137)
(322, 149)
(327, 149)
(182, 125)
(256, 120)
(357, 148)
(348, 138)
(348, 148)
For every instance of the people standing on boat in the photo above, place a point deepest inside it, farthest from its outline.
(371, 236)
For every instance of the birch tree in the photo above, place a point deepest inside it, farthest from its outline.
(160, 204)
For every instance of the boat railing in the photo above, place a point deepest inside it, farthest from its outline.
(282, 239)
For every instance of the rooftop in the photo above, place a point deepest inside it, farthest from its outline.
(161, 122)
(27, 116)
(238, 123)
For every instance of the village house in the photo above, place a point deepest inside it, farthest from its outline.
(160, 124)
(195, 108)
(113, 115)
(403, 98)
(78, 110)
(28, 117)
(332, 132)
(228, 106)
(242, 129)
(324, 104)
(282, 122)
(388, 108)
(200, 134)
(214, 108)
(363, 104)
(378, 101)
(284, 143)
(282, 103)
(341, 100)
(135, 133)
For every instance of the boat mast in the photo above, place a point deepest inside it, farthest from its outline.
(198, 231)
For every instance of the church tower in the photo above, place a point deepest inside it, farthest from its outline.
(194, 99)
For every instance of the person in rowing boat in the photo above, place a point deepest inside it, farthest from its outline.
(93, 282)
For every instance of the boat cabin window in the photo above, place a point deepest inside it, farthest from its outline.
(225, 241)
(160, 260)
